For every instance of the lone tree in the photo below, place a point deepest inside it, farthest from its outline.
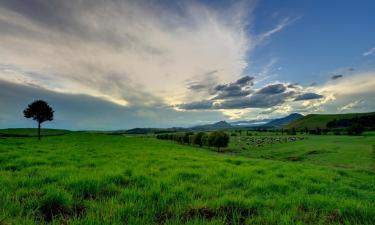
(218, 139)
(39, 111)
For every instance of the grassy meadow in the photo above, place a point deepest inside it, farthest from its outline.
(88, 178)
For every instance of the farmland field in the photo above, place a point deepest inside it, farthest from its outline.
(87, 178)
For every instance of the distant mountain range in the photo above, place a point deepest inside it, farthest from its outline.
(277, 123)
(221, 125)
(261, 123)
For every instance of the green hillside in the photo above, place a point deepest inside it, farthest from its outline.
(313, 121)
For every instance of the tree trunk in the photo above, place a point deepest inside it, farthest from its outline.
(38, 130)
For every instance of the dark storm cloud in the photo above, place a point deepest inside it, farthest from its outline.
(308, 96)
(239, 88)
(247, 80)
(233, 93)
(336, 76)
(240, 83)
(255, 100)
(272, 89)
(239, 95)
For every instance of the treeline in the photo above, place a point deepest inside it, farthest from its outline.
(218, 139)
(367, 121)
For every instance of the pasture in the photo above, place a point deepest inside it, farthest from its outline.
(88, 178)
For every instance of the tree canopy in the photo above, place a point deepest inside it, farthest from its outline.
(39, 111)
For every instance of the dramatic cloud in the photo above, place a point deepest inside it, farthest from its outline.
(308, 96)
(336, 76)
(239, 88)
(238, 95)
(126, 52)
(124, 63)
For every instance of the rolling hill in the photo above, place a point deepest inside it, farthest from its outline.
(313, 121)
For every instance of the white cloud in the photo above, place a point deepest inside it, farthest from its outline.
(369, 52)
(351, 105)
(279, 27)
(357, 83)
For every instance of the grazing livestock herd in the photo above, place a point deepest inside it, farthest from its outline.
(261, 141)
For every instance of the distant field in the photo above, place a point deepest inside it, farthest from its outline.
(354, 152)
(314, 121)
(82, 178)
(30, 132)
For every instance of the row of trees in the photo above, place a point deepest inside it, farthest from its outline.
(218, 139)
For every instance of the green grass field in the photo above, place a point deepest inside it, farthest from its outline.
(30, 132)
(352, 152)
(83, 178)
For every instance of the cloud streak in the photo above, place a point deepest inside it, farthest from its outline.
(369, 52)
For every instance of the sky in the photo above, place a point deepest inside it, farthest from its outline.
(119, 64)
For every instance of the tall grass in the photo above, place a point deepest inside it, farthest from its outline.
(102, 179)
